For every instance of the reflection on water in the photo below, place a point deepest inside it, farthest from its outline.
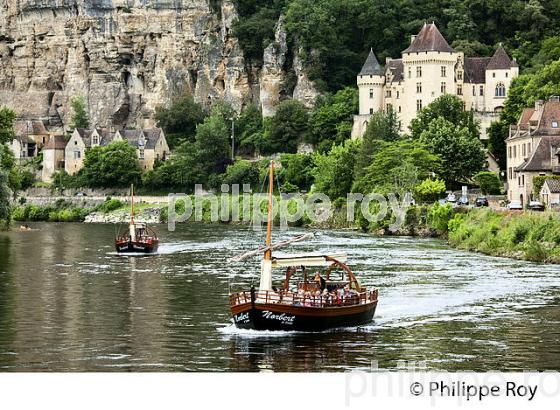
(69, 303)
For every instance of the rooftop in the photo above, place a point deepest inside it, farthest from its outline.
(500, 60)
(371, 66)
(429, 39)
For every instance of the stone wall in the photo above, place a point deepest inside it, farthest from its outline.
(126, 57)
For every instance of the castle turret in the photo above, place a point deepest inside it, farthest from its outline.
(370, 85)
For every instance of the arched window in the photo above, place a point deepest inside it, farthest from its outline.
(500, 90)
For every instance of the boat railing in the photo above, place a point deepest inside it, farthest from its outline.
(295, 299)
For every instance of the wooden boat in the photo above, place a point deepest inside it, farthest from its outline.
(138, 238)
(312, 305)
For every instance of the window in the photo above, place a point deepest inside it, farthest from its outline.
(459, 90)
(371, 93)
(443, 71)
(509, 152)
(77, 154)
(388, 94)
(389, 107)
(418, 88)
(418, 105)
(459, 76)
(524, 148)
(443, 87)
(515, 151)
(481, 90)
(554, 124)
(141, 153)
(418, 71)
(409, 72)
(474, 91)
(371, 110)
(510, 172)
(507, 74)
(493, 75)
(398, 95)
(500, 90)
(529, 148)
(400, 110)
(95, 140)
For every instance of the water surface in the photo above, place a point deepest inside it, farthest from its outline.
(69, 303)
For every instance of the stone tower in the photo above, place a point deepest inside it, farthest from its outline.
(371, 80)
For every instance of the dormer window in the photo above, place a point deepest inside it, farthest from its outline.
(554, 124)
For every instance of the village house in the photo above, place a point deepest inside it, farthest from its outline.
(429, 68)
(150, 145)
(550, 192)
(53, 157)
(30, 137)
(533, 149)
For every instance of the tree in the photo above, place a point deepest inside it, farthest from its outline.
(248, 130)
(212, 146)
(115, 165)
(7, 118)
(381, 127)
(461, 153)
(489, 183)
(449, 107)
(430, 190)
(288, 127)
(5, 194)
(396, 167)
(242, 172)
(334, 171)
(331, 121)
(80, 116)
(296, 173)
(179, 120)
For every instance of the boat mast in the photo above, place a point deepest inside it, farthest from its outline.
(266, 270)
(131, 229)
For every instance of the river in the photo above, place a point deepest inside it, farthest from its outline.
(69, 303)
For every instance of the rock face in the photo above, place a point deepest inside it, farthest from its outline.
(126, 57)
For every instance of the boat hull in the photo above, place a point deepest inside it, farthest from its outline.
(136, 247)
(270, 316)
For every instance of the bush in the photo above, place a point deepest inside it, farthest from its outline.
(489, 183)
(439, 217)
(242, 172)
(430, 190)
(109, 205)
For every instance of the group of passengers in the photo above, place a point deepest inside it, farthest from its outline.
(325, 295)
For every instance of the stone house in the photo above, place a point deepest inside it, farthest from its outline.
(53, 157)
(550, 192)
(150, 145)
(80, 141)
(427, 69)
(30, 137)
(533, 148)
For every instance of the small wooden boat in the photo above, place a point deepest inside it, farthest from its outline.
(312, 305)
(138, 238)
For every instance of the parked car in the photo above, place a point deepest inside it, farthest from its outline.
(515, 206)
(481, 201)
(536, 206)
(463, 201)
(451, 198)
(80, 194)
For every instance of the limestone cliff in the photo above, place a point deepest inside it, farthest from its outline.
(126, 57)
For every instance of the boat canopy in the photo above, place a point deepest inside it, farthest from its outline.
(307, 259)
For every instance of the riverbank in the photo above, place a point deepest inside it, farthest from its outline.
(520, 235)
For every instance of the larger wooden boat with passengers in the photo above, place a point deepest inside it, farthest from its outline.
(316, 301)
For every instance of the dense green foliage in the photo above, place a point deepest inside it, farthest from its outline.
(296, 173)
(397, 167)
(334, 171)
(179, 120)
(5, 207)
(114, 165)
(243, 172)
(287, 128)
(80, 116)
(489, 183)
(430, 190)
(331, 121)
(461, 153)
(7, 118)
(531, 236)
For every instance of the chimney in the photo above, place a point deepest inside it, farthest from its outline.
(539, 105)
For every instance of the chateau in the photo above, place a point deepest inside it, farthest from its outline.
(429, 68)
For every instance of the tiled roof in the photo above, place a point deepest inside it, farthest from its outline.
(151, 136)
(550, 114)
(475, 69)
(371, 66)
(500, 60)
(553, 185)
(56, 142)
(429, 39)
(29, 127)
(541, 158)
(397, 68)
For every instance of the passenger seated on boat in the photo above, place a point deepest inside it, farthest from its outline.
(307, 299)
(320, 281)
